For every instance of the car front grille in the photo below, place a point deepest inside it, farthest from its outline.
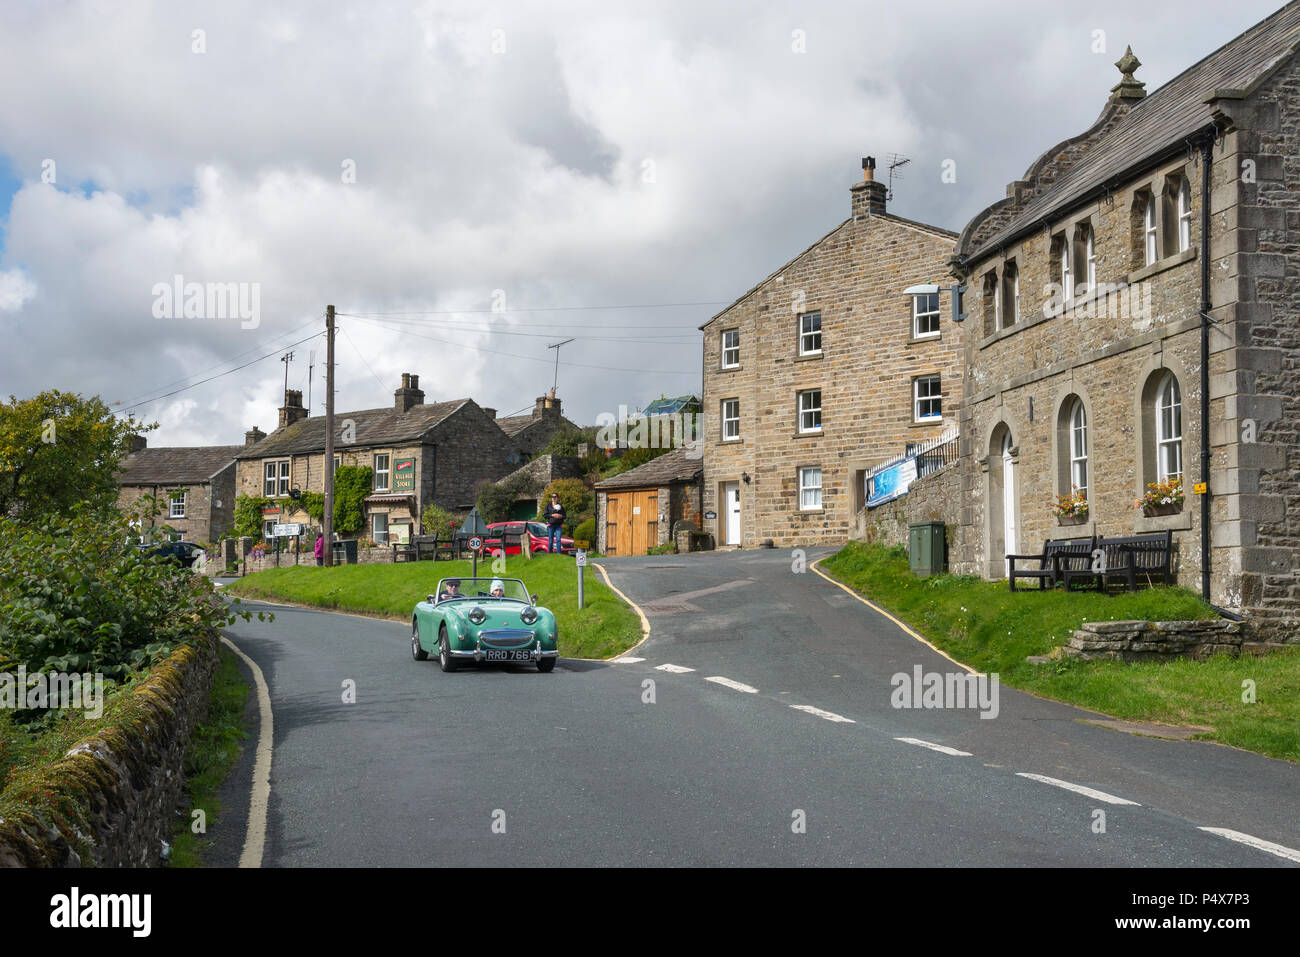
(506, 638)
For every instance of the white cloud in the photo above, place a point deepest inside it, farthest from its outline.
(15, 290)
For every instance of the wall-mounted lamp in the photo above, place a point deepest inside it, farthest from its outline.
(745, 476)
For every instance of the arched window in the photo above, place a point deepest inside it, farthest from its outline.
(1149, 230)
(1079, 448)
(1184, 215)
(1067, 281)
(1169, 429)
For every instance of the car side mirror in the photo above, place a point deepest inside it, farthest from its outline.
(533, 598)
(431, 599)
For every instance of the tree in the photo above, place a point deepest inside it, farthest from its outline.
(574, 496)
(495, 499)
(58, 450)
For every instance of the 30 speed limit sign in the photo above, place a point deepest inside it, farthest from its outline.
(475, 544)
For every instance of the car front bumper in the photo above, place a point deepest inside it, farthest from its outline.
(534, 654)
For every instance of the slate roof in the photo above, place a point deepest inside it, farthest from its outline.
(512, 425)
(1164, 118)
(674, 466)
(374, 427)
(176, 466)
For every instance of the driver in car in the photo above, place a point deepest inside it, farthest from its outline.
(450, 589)
(498, 588)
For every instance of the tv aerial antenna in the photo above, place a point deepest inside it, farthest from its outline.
(896, 161)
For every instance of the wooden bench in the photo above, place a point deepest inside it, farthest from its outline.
(1127, 559)
(422, 548)
(1056, 557)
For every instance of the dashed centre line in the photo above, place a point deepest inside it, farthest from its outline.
(941, 748)
(733, 685)
(828, 715)
(1078, 789)
(674, 669)
(1259, 844)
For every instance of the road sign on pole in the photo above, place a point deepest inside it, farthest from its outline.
(582, 567)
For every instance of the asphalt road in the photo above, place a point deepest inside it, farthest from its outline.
(506, 766)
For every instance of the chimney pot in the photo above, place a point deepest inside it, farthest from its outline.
(409, 395)
(868, 196)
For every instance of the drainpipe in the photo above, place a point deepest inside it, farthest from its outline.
(1207, 147)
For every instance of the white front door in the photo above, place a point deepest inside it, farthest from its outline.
(731, 500)
(1008, 499)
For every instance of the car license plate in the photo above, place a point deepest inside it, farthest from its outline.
(495, 654)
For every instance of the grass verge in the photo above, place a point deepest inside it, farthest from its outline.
(213, 750)
(604, 627)
(992, 629)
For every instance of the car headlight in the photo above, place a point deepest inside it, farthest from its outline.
(528, 616)
(477, 615)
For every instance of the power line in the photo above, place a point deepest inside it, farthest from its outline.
(211, 378)
(360, 356)
(515, 355)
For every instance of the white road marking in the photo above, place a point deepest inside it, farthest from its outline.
(1078, 789)
(675, 669)
(733, 685)
(941, 748)
(828, 715)
(255, 837)
(627, 661)
(1269, 847)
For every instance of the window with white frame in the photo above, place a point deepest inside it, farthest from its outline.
(381, 473)
(730, 348)
(730, 420)
(283, 488)
(1090, 259)
(810, 411)
(810, 333)
(268, 529)
(810, 489)
(1169, 430)
(925, 315)
(1149, 230)
(927, 402)
(1067, 280)
(379, 528)
(268, 482)
(1079, 448)
(178, 505)
(1184, 215)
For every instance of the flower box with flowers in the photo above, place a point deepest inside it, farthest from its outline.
(1071, 509)
(1162, 498)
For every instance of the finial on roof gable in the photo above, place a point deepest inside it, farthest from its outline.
(1128, 88)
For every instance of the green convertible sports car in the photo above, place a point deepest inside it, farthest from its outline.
(483, 619)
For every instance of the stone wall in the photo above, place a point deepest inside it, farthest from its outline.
(1157, 640)
(855, 277)
(934, 498)
(112, 800)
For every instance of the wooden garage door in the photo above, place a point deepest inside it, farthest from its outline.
(631, 522)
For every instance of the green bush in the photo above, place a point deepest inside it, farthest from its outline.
(352, 483)
(574, 495)
(494, 500)
(586, 532)
(248, 515)
(75, 597)
(436, 520)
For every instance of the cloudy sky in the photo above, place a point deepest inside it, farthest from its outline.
(611, 173)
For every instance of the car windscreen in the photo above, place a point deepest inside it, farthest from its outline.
(482, 588)
(537, 528)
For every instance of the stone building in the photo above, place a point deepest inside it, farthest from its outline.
(194, 486)
(822, 370)
(1084, 360)
(419, 453)
(533, 430)
(638, 509)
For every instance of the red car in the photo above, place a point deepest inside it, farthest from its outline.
(537, 534)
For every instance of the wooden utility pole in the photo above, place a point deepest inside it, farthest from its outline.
(328, 523)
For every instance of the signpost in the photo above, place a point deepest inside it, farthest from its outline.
(475, 546)
(581, 558)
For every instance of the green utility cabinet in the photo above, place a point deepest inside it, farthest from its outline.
(926, 545)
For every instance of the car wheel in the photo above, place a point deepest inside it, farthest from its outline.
(445, 660)
(545, 664)
(418, 653)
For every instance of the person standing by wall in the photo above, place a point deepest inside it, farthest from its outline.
(320, 549)
(554, 516)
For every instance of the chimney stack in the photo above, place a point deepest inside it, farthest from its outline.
(409, 395)
(547, 407)
(491, 413)
(253, 436)
(138, 443)
(292, 410)
(868, 196)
